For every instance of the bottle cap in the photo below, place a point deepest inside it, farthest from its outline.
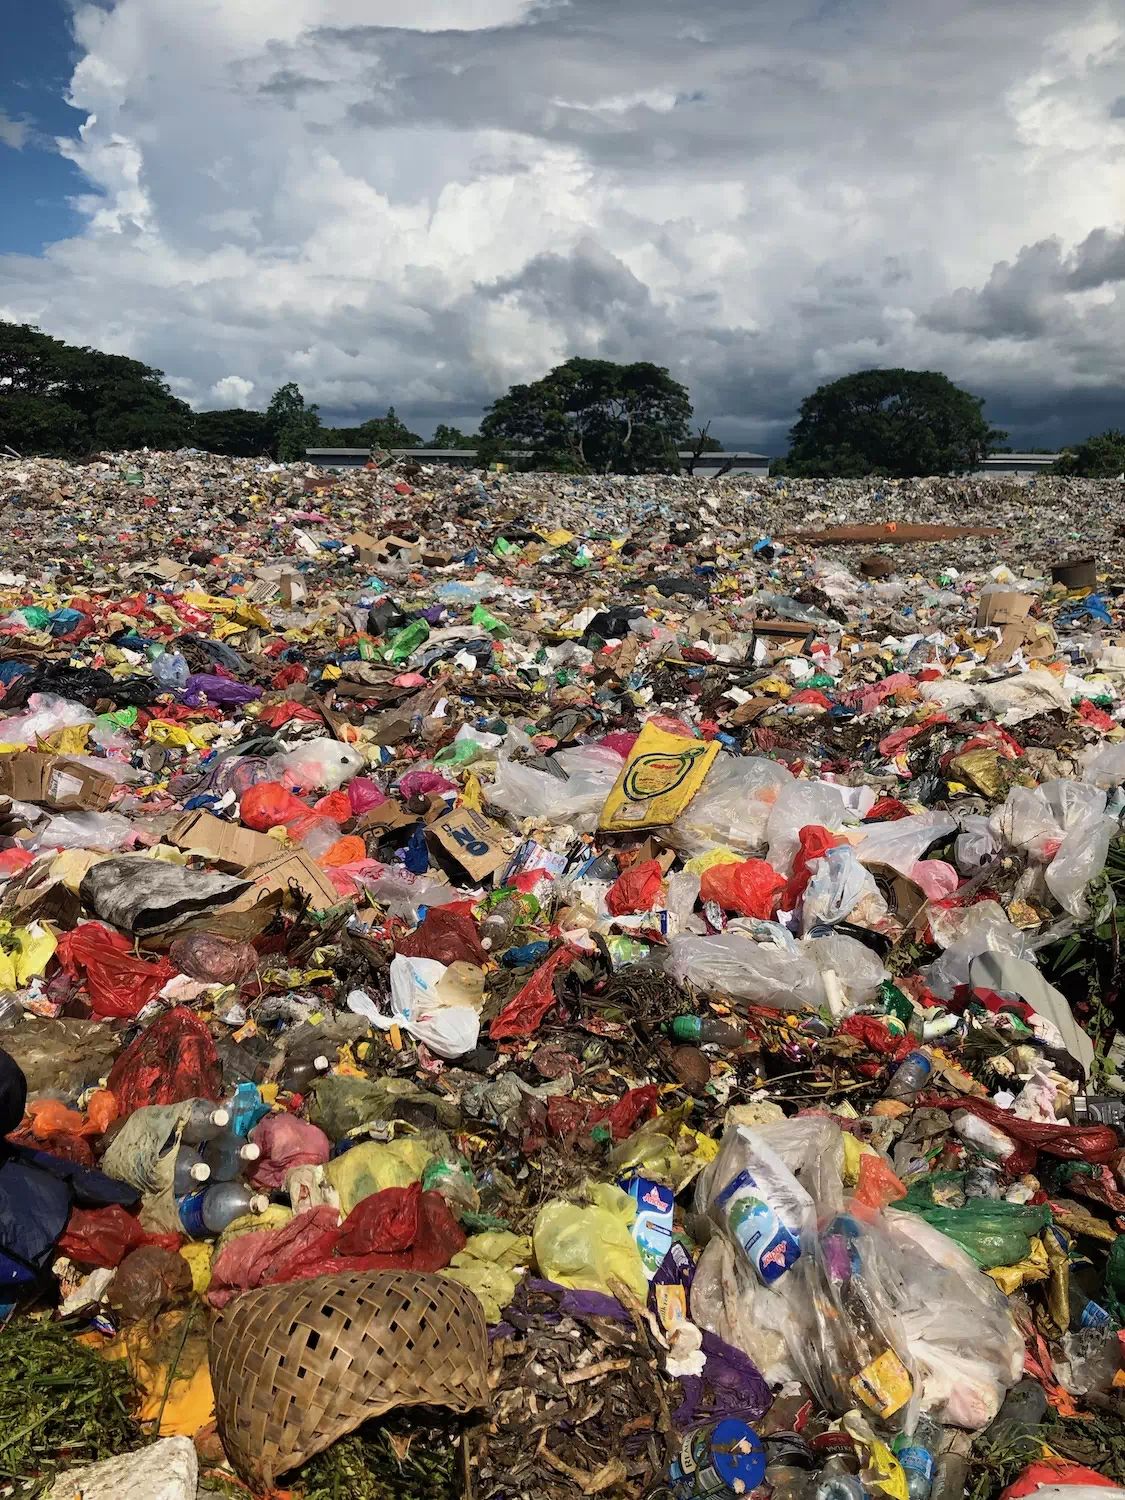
(258, 1204)
(220, 1117)
(200, 1172)
(320, 1063)
(250, 1152)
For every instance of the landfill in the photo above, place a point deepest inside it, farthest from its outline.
(529, 986)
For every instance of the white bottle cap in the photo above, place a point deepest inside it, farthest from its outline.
(258, 1204)
(220, 1118)
(320, 1063)
(250, 1152)
(199, 1172)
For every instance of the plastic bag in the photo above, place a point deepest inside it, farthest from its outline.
(373, 1166)
(589, 774)
(858, 1353)
(799, 804)
(449, 936)
(117, 983)
(172, 1061)
(728, 1300)
(585, 1246)
(637, 889)
(84, 830)
(837, 883)
(732, 808)
(213, 959)
(983, 928)
(774, 971)
(268, 804)
(858, 971)
(320, 764)
(992, 1231)
(364, 795)
(751, 887)
(902, 843)
(755, 1200)
(286, 1142)
(44, 716)
(448, 1030)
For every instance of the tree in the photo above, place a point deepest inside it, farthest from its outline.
(452, 437)
(377, 432)
(1099, 457)
(591, 415)
(60, 399)
(234, 431)
(292, 425)
(893, 422)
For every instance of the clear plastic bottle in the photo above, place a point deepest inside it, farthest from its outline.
(209, 1211)
(910, 1077)
(205, 1122)
(840, 1487)
(500, 929)
(191, 1171)
(171, 671)
(916, 1454)
(229, 1156)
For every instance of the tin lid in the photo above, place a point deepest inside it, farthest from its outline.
(738, 1455)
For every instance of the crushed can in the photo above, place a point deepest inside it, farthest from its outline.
(718, 1461)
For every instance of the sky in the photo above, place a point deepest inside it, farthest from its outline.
(421, 202)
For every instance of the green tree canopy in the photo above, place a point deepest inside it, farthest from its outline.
(56, 398)
(235, 431)
(452, 437)
(292, 425)
(894, 422)
(592, 416)
(1099, 457)
(377, 432)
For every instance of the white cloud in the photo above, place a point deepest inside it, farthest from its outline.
(417, 204)
(13, 133)
(232, 390)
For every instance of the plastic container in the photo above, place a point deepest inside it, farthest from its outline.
(298, 1077)
(708, 1031)
(209, 1211)
(229, 1156)
(191, 1171)
(204, 1123)
(910, 1077)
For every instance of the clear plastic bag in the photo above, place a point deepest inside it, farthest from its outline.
(799, 804)
(858, 970)
(732, 809)
(730, 1302)
(84, 830)
(977, 844)
(901, 844)
(983, 928)
(576, 798)
(46, 714)
(774, 971)
(838, 883)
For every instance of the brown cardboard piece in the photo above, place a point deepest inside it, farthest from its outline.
(294, 867)
(1002, 607)
(1010, 613)
(473, 840)
(226, 844)
(54, 781)
(292, 590)
(375, 550)
(906, 900)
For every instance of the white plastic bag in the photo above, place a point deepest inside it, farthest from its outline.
(771, 972)
(449, 1031)
(45, 714)
(800, 804)
(733, 807)
(901, 844)
(977, 844)
(316, 764)
(858, 970)
(753, 1198)
(577, 798)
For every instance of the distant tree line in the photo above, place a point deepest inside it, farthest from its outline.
(586, 416)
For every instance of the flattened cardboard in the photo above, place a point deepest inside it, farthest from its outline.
(473, 840)
(54, 781)
(227, 844)
(293, 590)
(906, 901)
(294, 867)
(375, 550)
(1001, 607)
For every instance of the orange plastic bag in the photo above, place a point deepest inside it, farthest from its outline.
(346, 851)
(750, 887)
(268, 804)
(877, 1185)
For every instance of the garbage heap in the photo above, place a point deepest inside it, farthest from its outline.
(524, 986)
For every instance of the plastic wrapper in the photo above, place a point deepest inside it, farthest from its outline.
(732, 809)
(588, 1246)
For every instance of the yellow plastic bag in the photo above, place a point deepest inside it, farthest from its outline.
(718, 856)
(488, 1266)
(658, 780)
(582, 1247)
(24, 953)
(169, 1364)
(373, 1166)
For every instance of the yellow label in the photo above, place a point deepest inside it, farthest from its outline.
(660, 777)
(884, 1385)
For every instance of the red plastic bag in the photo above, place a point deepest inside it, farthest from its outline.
(1092, 1143)
(446, 934)
(814, 843)
(286, 1142)
(876, 1035)
(175, 1059)
(640, 888)
(364, 795)
(268, 805)
(1053, 1471)
(523, 1014)
(117, 983)
(104, 1236)
(334, 805)
(751, 887)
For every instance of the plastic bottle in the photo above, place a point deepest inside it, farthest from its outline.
(910, 1077)
(840, 1487)
(298, 1076)
(228, 1156)
(1084, 1312)
(916, 1455)
(500, 928)
(171, 671)
(246, 1107)
(708, 1030)
(209, 1211)
(191, 1171)
(205, 1122)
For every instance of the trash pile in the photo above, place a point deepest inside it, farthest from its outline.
(530, 987)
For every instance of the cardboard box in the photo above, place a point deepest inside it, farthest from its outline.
(1002, 607)
(292, 590)
(474, 841)
(224, 843)
(374, 551)
(293, 867)
(54, 781)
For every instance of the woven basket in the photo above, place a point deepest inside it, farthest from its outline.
(297, 1366)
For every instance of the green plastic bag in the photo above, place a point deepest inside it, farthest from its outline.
(489, 622)
(407, 641)
(993, 1232)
